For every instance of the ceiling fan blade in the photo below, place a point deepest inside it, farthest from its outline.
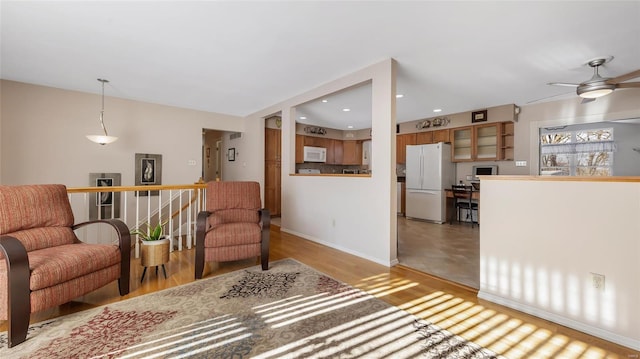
(628, 85)
(550, 97)
(587, 100)
(562, 84)
(625, 77)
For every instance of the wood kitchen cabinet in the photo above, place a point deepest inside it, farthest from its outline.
(462, 143)
(272, 177)
(337, 152)
(352, 152)
(441, 136)
(477, 143)
(314, 141)
(402, 141)
(424, 138)
(487, 141)
(506, 149)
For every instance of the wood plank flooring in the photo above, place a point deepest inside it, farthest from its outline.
(448, 251)
(452, 307)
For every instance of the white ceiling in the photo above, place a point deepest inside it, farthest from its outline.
(240, 57)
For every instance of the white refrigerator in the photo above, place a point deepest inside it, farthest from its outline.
(429, 171)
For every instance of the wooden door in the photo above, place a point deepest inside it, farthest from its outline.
(272, 178)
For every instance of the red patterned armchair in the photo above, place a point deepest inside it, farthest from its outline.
(42, 262)
(233, 226)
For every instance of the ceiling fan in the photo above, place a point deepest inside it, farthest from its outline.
(598, 86)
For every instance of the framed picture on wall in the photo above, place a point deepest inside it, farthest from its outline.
(231, 154)
(148, 172)
(104, 204)
(479, 116)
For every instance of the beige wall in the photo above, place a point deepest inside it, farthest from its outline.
(341, 212)
(541, 240)
(43, 136)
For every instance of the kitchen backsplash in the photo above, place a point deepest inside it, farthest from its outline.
(325, 168)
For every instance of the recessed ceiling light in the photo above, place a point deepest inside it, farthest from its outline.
(346, 109)
(303, 117)
(437, 110)
(325, 101)
(399, 95)
(349, 126)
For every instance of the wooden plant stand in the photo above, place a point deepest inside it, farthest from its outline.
(154, 254)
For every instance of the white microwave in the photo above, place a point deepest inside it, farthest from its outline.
(315, 154)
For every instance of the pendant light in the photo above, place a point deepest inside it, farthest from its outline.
(102, 139)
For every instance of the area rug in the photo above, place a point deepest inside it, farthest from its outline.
(289, 311)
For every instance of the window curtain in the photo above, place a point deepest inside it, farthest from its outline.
(581, 147)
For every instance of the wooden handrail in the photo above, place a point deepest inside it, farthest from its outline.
(136, 188)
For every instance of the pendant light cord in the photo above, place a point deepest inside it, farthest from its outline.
(102, 110)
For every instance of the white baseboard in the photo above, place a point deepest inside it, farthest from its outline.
(342, 249)
(567, 322)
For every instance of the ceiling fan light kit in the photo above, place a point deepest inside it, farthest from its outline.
(102, 139)
(599, 86)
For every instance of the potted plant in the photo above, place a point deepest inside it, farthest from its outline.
(154, 249)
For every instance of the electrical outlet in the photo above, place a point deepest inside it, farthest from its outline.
(597, 280)
(521, 163)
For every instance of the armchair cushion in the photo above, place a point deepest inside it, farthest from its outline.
(54, 265)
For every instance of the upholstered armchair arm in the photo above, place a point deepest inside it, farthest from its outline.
(201, 230)
(124, 238)
(18, 291)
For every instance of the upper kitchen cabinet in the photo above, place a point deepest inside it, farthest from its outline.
(424, 138)
(441, 136)
(402, 141)
(480, 142)
(487, 141)
(507, 133)
(336, 155)
(462, 144)
(352, 152)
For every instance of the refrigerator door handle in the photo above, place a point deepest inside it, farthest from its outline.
(421, 191)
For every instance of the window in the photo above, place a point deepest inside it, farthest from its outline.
(577, 153)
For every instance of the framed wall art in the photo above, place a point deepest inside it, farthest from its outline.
(479, 116)
(104, 204)
(231, 154)
(148, 172)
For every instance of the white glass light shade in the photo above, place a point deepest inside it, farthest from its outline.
(101, 139)
(596, 93)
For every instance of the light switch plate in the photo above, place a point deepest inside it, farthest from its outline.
(521, 163)
(191, 162)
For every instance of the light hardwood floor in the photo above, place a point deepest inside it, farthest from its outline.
(450, 306)
(448, 251)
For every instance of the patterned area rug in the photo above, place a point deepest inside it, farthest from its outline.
(290, 311)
